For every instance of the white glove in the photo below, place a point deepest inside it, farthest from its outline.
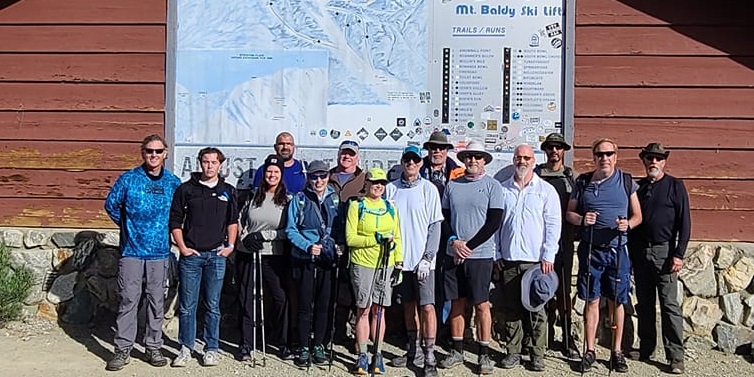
(422, 270)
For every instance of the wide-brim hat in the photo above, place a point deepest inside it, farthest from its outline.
(475, 147)
(554, 138)
(438, 138)
(537, 288)
(654, 149)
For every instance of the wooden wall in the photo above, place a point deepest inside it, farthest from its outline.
(680, 72)
(82, 83)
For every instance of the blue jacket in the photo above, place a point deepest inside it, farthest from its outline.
(139, 204)
(303, 228)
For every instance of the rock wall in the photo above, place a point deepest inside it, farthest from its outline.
(75, 278)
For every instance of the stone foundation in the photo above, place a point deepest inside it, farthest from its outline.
(75, 279)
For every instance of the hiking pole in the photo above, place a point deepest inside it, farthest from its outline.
(254, 256)
(261, 310)
(311, 310)
(384, 259)
(616, 304)
(588, 284)
(334, 309)
(565, 306)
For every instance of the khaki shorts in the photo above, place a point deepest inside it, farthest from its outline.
(370, 287)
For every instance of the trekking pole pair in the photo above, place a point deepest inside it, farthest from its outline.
(382, 280)
(613, 325)
(258, 309)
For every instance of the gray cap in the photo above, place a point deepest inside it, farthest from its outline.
(317, 165)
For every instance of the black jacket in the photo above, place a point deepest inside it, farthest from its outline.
(203, 213)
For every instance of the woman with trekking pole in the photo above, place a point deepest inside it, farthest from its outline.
(373, 235)
(261, 261)
(313, 230)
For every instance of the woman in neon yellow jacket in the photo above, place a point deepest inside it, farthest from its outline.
(372, 222)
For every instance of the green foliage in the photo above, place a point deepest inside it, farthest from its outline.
(15, 285)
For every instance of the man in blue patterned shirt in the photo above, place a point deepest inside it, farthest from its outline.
(139, 203)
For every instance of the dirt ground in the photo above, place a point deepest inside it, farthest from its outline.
(38, 347)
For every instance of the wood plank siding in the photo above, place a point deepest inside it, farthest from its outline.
(680, 72)
(83, 82)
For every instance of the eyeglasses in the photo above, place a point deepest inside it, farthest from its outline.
(435, 147)
(474, 156)
(522, 158)
(604, 154)
(650, 158)
(552, 147)
(155, 151)
(411, 158)
(316, 176)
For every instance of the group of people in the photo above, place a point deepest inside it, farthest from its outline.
(323, 242)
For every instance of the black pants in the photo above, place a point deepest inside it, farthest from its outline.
(316, 293)
(562, 300)
(651, 265)
(275, 276)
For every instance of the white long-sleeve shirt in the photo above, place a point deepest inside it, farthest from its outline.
(530, 230)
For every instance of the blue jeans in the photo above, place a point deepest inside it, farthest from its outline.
(207, 269)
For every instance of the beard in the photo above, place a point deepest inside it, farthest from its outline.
(521, 172)
(654, 172)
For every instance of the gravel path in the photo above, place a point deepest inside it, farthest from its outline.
(38, 347)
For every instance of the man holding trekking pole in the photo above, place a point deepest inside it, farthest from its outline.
(418, 203)
(605, 204)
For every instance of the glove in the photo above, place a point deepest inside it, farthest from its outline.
(254, 241)
(397, 276)
(382, 237)
(422, 270)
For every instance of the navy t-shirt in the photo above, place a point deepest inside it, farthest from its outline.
(607, 198)
(293, 177)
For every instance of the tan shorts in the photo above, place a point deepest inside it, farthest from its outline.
(371, 286)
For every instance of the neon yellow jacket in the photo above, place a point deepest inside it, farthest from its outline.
(360, 234)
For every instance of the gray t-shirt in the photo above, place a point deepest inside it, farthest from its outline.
(269, 220)
(468, 202)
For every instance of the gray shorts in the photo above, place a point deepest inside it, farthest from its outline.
(411, 289)
(369, 288)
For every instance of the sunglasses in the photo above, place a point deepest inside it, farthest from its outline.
(552, 147)
(604, 154)
(524, 158)
(413, 159)
(654, 158)
(435, 147)
(474, 156)
(155, 151)
(316, 176)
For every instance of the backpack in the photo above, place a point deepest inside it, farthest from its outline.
(583, 180)
(388, 207)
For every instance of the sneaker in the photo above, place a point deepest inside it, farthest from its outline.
(302, 358)
(537, 364)
(619, 362)
(676, 367)
(182, 359)
(587, 361)
(416, 360)
(453, 359)
(378, 365)
(570, 352)
(285, 353)
(211, 358)
(155, 357)
(120, 359)
(244, 353)
(361, 366)
(486, 366)
(511, 360)
(430, 366)
(319, 356)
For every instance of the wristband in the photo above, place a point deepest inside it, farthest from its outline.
(230, 245)
(451, 239)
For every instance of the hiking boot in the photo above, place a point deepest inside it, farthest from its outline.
(453, 359)
(486, 366)
(155, 357)
(570, 352)
(244, 353)
(416, 360)
(430, 366)
(378, 365)
(587, 361)
(285, 353)
(619, 362)
(182, 359)
(211, 358)
(361, 366)
(676, 367)
(120, 359)
(318, 355)
(302, 358)
(537, 364)
(511, 360)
